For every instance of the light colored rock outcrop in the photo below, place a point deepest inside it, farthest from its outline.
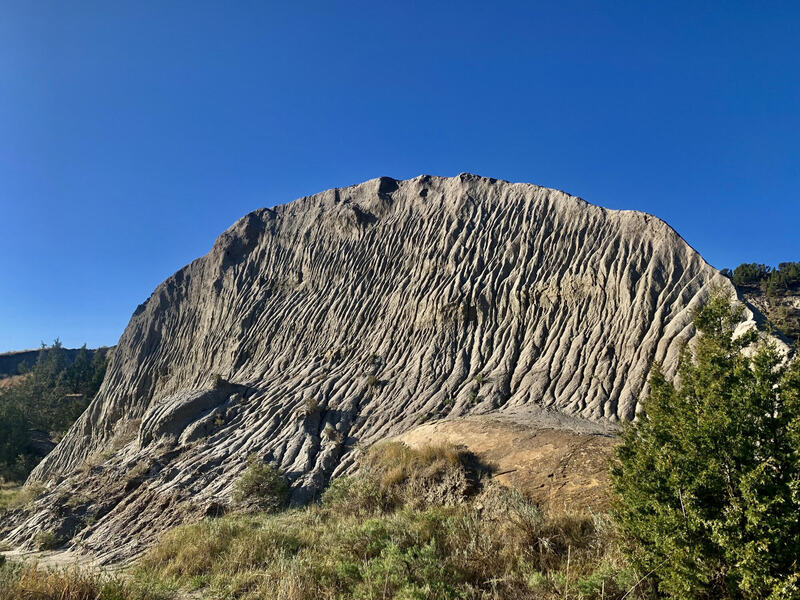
(357, 313)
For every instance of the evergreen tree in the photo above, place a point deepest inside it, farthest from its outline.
(14, 440)
(708, 477)
(50, 398)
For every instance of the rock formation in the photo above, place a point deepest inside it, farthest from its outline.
(355, 314)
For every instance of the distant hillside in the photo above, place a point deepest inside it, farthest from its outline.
(11, 361)
(37, 406)
(775, 292)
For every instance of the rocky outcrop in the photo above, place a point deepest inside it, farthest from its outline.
(355, 314)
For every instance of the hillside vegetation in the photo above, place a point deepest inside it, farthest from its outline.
(773, 291)
(42, 403)
(772, 280)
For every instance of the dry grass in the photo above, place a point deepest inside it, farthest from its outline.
(365, 541)
(11, 381)
(368, 540)
(389, 456)
(13, 496)
(436, 474)
(31, 582)
(441, 552)
(27, 582)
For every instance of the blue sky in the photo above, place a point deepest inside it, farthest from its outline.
(133, 133)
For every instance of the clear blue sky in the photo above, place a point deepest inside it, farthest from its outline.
(133, 133)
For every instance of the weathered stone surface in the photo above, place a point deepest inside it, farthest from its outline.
(357, 313)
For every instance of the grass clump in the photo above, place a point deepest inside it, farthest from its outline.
(261, 486)
(417, 477)
(394, 475)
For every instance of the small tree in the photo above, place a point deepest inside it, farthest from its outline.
(708, 478)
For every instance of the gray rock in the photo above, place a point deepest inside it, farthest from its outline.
(378, 306)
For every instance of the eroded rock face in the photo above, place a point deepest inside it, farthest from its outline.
(357, 313)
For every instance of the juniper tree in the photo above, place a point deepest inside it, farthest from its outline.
(708, 477)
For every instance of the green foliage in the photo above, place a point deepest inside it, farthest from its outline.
(262, 485)
(708, 478)
(14, 439)
(50, 397)
(46, 540)
(772, 281)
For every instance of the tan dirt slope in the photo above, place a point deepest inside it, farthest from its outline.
(558, 469)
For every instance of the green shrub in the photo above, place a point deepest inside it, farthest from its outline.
(262, 485)
(47, 540)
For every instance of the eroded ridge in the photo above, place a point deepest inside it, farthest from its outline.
(355, 314)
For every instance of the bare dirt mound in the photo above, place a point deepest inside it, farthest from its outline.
(558, 469)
